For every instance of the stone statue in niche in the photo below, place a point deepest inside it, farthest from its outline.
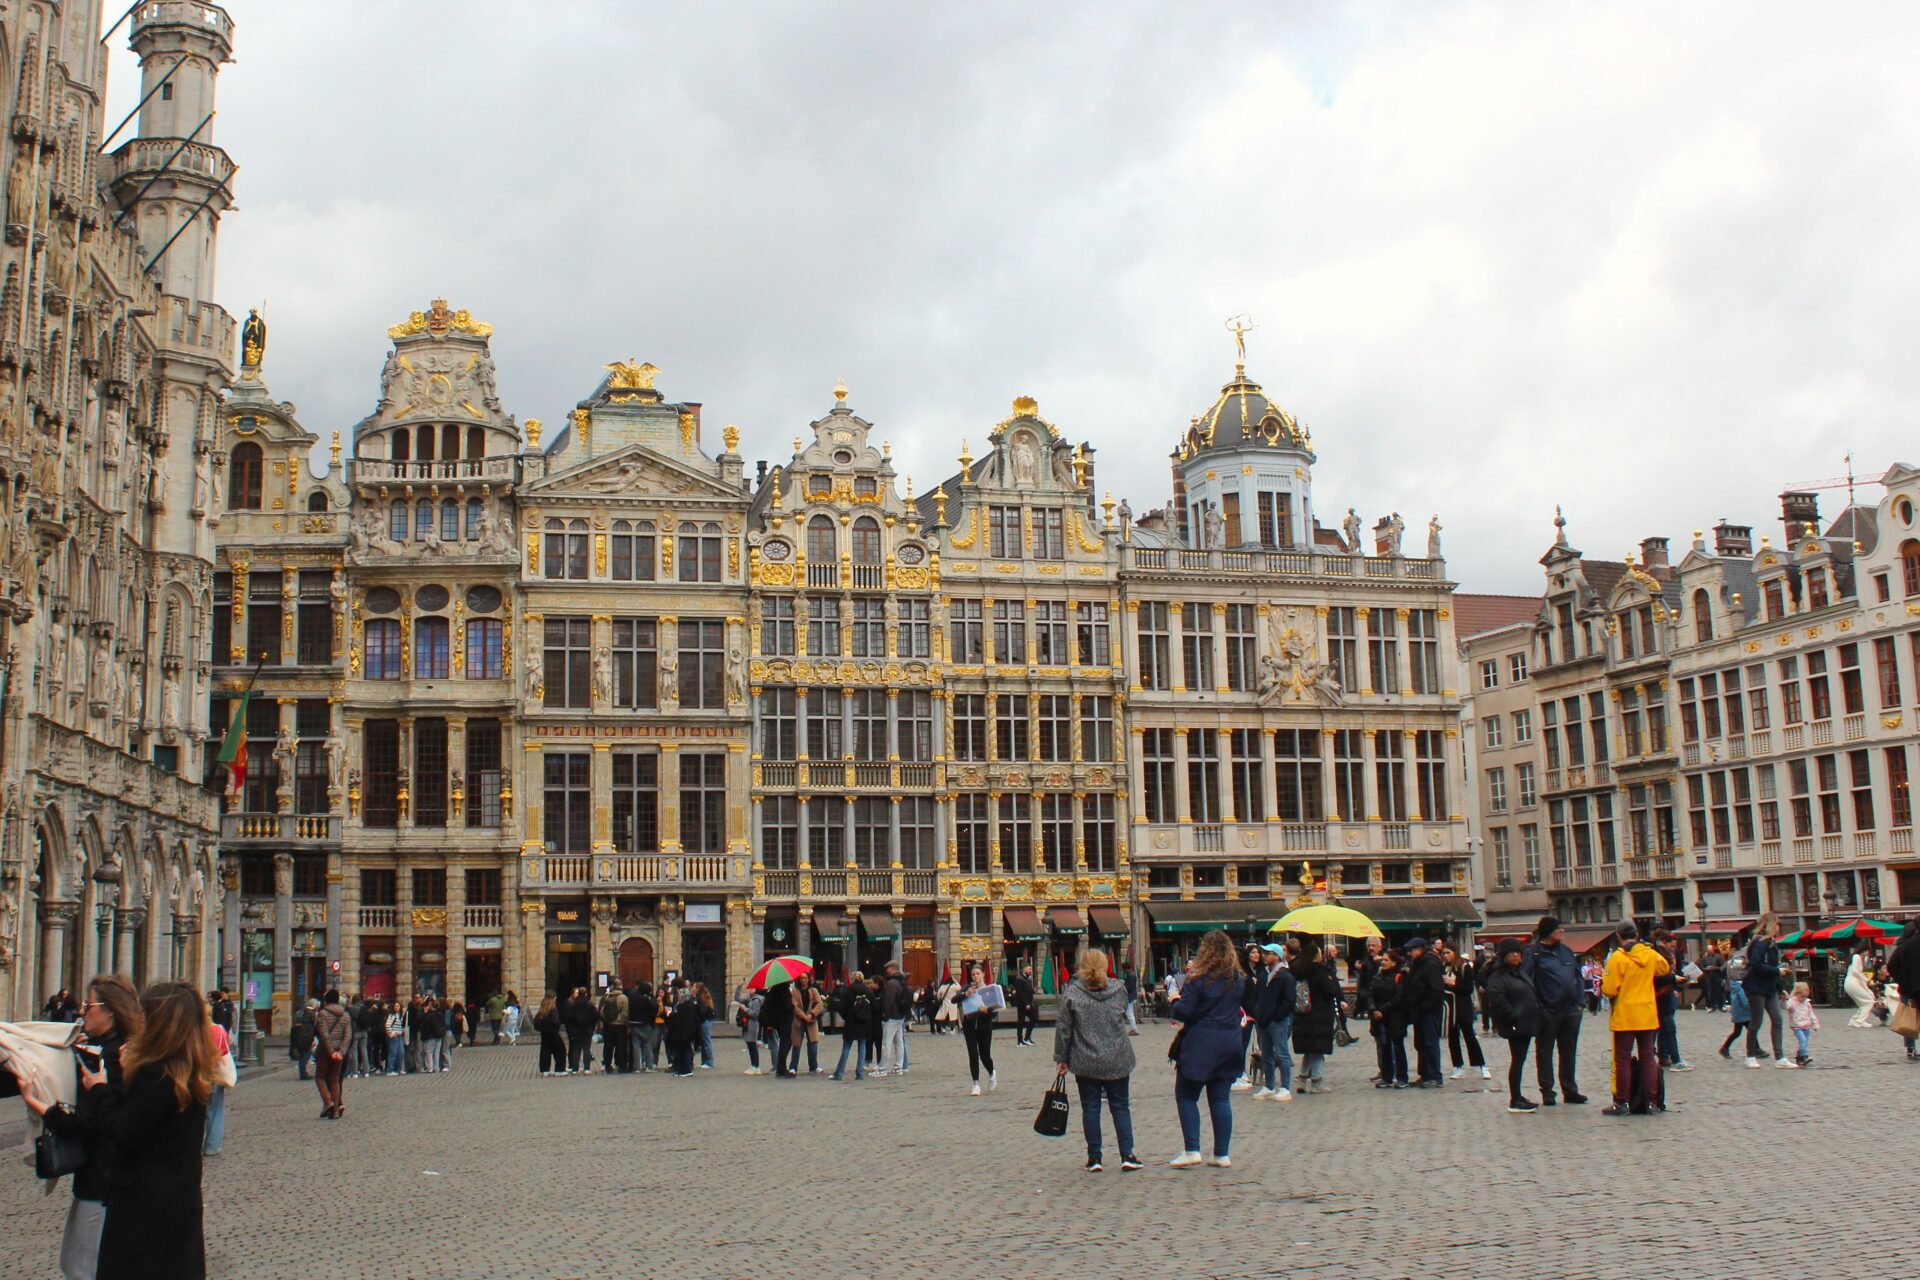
(1216, 527)
(1026, 461)
(602, 678)
(336, 756)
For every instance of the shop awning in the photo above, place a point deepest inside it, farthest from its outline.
(829, 924)
(1110, 921)
(1067, 920)
(879, 924)
(1199, 917)
(1715, 928)
(1414, 908)
(1024, 923)
(1581, 941)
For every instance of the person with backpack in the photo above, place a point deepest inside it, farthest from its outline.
(1561, 990)
(1316, 1007)
(1273, 1009)
(854, 1003)
(1515, 1009)
(1763, 991)
(1736, 970)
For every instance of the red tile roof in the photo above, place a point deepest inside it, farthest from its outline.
(1475, 615)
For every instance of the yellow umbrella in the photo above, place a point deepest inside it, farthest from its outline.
(1324, 918)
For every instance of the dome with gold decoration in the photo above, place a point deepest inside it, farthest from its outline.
(1242, 415)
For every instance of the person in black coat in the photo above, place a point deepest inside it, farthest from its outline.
(580, 1018)
(1423, 993)
(1313, 1026)
(1387, 1017)
(776, 1016)
(1026, 1008)
(1272, 1015)
(1515, 1009)
(156, 1124)
(854, 1005)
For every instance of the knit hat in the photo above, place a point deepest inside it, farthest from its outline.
(1511, 947)
(1546, 926)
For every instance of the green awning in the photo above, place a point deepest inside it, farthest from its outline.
(829, 924)
(1199, 917)
(879, 924)
(1067, 920)
(1413, 908)
(1023, 923)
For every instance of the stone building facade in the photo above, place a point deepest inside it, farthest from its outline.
(112, 356)
(1503, 757)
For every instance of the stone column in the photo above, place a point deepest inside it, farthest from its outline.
(1182, 799)
(1223, 773)
(1220, 647)
(600, 942)
(403, 934)
(56, 936)
(282, 938)
(1177, 645)
(456, 932)
(127, 922)
(670, 802)
(533, 956)
(1362, 638)
(1270, 778)
(336, 920)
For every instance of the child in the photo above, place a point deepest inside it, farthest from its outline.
(1802, 1018)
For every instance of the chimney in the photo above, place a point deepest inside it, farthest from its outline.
(1653, 554)
(1732, 539)
(1800, 513)
(760, 474)
(1178, 507)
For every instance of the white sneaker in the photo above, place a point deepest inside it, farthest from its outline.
(1185, 1160)
(751, 1071)
(1220, 1162)
(1457, 1073)
(976, 1088)
(1788, 1063)
(993, 1081)
(1753, 1062)
(1262, 1093)
(1283, 1095)
(1486, 1073)
(1242, 1085)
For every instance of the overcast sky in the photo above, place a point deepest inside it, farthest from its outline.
(1653, 262)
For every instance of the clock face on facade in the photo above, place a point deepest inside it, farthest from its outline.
(776, 550)
(910, 554)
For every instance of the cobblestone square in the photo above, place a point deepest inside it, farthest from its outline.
(488, 1171)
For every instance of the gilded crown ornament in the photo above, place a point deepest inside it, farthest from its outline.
(439, 321)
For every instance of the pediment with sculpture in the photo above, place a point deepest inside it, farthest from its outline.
(1292, 666)
(634, 472)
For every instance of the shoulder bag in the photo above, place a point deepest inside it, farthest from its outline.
(1052, 1120)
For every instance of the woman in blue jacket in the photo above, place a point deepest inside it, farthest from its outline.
(1208, 1051)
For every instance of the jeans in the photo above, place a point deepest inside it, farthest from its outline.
(1558, 1031)
(1132, 1021)
(447, 1044)
(977, 1030)
(1311, 1065)
(1186, 1097)
(1669, 1039)
(813, 1056)
(430, 1054)
(580, 1051)
(855, 1045)
(1803, 1036)
(753, 1051)
(1426, 1043)
(1626, 1045)
(1115, 1092)
(706, 1043)
(893, 1044)
(1516, 1065)
(1772, 1008)
(1274, 1051)
(649, 1045)
(396, 1055)
(216, 1121)
(80, 1242)
(357, 1055)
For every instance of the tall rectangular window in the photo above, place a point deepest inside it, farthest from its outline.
(315, 643)
(483, 887)
(634, 557)
(1099, 831)
(1010, 631)
(568, 654)
(1196, 644)
(1490, 733)
(1203, 775)
(913, 726)
(969, 726)
(1056, 728)
(1383, 651)
(703, 663)
(1390, 775)
(972, 847)
(263, 617)
(432, 654)
(1049, 534)
(1248, 766)
(825, 723)
(1050, 633)
(1860, 774)
(1349, 775)
(1092, 647)
(869, 714)
(1157, 775)
(1016, 833)
(823, 627)
(916, 848)
(636, 801)
(1819, 695)
(872, 833)
(1276, 519)
(966, 633)
(1010, 730)
(1522, 727)
(567, 819)
(1898, 793)
(379, 887)
(1423, 649)
(780, 833)
(914, 637)
(1530, 851)
(703, 801)
(1296, 762)
(700, 552)
(1496, 791)
(636, 663)
(779, 727)
(1154, 644)
(1852, 698)
(1886, 663)
(1430, 773)
(486, 652)
(483, 774)
(827, 832)
(222, 618)
(1096, 728)
(1003, 533)
(380, 746)
(1056, 832)
(1243, 655)
(776, 626)
(869, 627)
(1523, 781)
(1502, 856)
(430, 772)
(1827, 773)
(1790, 691)
(429, 886)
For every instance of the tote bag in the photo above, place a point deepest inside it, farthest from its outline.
(1052, 1120)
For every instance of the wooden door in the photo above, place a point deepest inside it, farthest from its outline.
(920, 968)
(636, 962)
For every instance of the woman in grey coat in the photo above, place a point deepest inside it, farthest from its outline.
(1090, 1040)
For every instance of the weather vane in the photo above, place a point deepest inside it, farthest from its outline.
(1239, 327)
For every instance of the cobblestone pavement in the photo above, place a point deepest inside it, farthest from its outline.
(488, 1171)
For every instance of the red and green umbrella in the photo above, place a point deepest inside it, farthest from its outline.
(778, 970)
(1862, 930)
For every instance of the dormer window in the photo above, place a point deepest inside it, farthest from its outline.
(1776, 600)
(1817, 589)
(866, 487)
(1276, 519)
(1702, 616)
(246, 477)
(820, 485)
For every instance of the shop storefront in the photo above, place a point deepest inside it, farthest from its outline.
(1023, 937)
(430, 966)
(1179, 926)
(831, 931)
(483, 973)
(569, 948)
(878, 933)
(376, 968)
(703, 949)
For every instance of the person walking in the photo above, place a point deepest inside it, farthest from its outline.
(546, 1024)
(357, 1040)
(1560, 987)
(226, 1075)
(643, 1026)
(154, 1123)
(1424, 992)
(1515, 1008)
(1207, 1052)
(1386, 1011)
(510, 1023)
(580, 1018)
(615, 1019)
(1273, 1024)
(1460, 984)
(895, 1004)
(1090, 1039)
(1859, 988)
(1742, 1013)
(300, 1036)
(946, 1011)
(333, 1039)
(1628, 982)
(110, 1015)
(853, 1004)
(496, 1011)
(1763, 990)
(1026, 1008)
(1132, 981)
(976, 1026)
(1804, 1020)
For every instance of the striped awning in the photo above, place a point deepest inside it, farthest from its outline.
(829, 924)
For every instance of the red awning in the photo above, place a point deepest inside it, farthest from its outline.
(1581, 941)
(1024, 923)
(1067, 920)
(1715, 928)
(1111, 921)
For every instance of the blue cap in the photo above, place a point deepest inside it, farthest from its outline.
(1273, 948)
(1411, 943)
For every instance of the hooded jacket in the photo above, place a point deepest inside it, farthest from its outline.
(1628, 982)
(1555, 973)
(1090, 1031)
(1513, 1004)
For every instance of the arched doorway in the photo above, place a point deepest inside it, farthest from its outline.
(636, 962)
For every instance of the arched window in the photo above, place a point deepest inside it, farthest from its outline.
(317, 500)
(700, 551)
(866, 540)
(566, 549)
(383, 649)
(822, 545)
(246, 477)
(450, 442)
(402, 446)
(1702, 616)
(1910, 566)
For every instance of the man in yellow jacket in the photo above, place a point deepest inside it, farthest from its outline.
(1635, 1020)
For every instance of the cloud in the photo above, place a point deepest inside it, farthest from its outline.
(1651, 263)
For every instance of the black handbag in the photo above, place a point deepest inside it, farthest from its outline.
(1052, 1120)
(55, 1155)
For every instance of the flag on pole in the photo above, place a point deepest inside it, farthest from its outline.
(233, 747)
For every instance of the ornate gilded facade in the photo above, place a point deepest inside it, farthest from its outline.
(112, 354)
